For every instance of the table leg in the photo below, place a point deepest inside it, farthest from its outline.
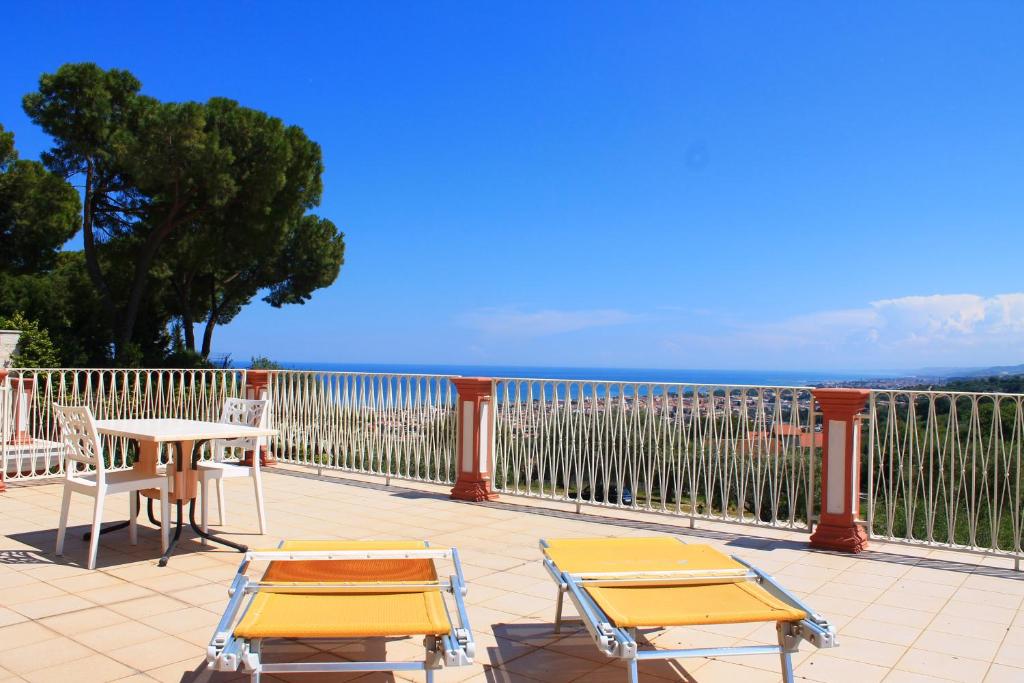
(114, 527)
(177, 534)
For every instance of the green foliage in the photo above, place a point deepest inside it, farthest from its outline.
(35, 348)
(189, 209)
(264, 363)
(38, 212)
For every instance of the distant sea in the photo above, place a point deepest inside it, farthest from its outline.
(656, 375)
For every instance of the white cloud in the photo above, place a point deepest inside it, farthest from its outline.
(910, 331)
(512, 322)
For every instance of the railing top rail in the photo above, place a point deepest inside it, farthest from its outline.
(356, 373)
(127, 369)
(777, 387)
(936, 393)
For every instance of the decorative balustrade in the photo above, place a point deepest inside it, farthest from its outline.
(32, 446)
(944, 469)
(395, 425)
(729, 453)
(936, 468)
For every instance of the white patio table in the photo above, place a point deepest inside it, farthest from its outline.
(188, 437)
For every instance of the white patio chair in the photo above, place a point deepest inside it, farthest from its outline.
(83, 449)
(253, 413)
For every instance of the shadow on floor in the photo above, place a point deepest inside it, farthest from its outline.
(306, 651)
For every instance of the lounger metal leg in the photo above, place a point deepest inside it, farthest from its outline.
(254, 647)
(784, 655)
(558, 610)
(634, 673)
(430, 675)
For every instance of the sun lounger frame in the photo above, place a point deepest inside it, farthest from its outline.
(622, 642)
(227, 652)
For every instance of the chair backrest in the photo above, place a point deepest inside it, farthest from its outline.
(82, 442)
(243, 411)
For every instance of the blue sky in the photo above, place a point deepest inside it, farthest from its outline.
(691, 185)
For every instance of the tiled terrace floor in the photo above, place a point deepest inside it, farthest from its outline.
(904, 615)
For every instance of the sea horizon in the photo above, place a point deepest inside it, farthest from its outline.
(611, 374)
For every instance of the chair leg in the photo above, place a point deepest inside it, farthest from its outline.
(222, 512)
(94, 538)
(784, 656)
(204, 515)
(65, 508)
(133, 512)
(634, 673)
(165, 520)
(558, 610)
(261, 511)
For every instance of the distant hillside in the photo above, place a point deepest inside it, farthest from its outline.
(960, 373)
(1007, 384)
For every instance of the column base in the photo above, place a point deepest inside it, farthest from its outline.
(267, 459)
(847, 539)
(473, 491)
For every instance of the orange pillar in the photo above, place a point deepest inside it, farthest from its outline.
(257, 386)
(21, 398)
(840, 469)
(475, 443)
(3, 465)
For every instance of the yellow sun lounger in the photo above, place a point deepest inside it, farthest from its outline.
(344, 589)
(620, 585)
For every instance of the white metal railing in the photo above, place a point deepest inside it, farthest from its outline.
(729, 453)
(110, 393)
(944, 469)
(396, 425)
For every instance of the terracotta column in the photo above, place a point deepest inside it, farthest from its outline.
(21, 401)
(475, 443)
(257, 386)
(840, 471)
(3, 463)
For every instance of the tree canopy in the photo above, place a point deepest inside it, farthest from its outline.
(188, 211)
(38, 212)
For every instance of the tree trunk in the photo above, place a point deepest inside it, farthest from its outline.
(92, 262)
(190, 333)
(143, 261)
(211, 322)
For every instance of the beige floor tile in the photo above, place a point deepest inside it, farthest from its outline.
(885, 632)
(943, 666)
(1000, 673)
(721, 671)
(826, 669)
(8, 617)
(114, 594)
(119, 635)
(957, 645)
(25, 633)
(84, 620)
(546, 665)
(1011, 654)
(48, 653)
(900, 676)
(48, 607)
(147, 606)
(149, 655)
(92, 669)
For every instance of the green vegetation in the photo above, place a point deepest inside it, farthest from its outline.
(188, 211)
(264, 363)
(35, 348)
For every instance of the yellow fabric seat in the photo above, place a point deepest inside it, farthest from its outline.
(344, 614)
(692, 605)
(740, 601)
(660, 553)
